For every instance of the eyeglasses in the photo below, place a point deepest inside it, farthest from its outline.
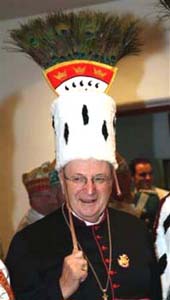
(144, 174)
(81, 180)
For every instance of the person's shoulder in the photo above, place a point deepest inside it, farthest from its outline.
(38, 227)
(42, 234)
(123, 217)
(162, 193)
(127, 225)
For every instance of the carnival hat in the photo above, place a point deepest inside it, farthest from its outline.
(78, 53)
(42, 178)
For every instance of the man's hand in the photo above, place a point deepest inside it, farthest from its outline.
(75, 271)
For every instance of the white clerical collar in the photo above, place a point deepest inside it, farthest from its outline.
(87, 222)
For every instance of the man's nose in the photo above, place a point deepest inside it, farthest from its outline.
(148, 176)
(90, 186)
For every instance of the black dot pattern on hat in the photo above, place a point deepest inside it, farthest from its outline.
(166, 223)
(85, 115)
(162, 263)
(66, 133)
(105, 131)
(53, 124)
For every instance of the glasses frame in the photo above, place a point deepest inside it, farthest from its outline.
(81, 180)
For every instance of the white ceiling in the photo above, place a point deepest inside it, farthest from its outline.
(10, 9)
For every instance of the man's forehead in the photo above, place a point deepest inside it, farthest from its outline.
(143, 166)
(84, 165)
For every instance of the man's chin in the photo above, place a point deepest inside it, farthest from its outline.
(146, 187)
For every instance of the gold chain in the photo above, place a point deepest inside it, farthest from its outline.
(103, 290)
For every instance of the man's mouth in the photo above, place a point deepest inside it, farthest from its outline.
(88, 201)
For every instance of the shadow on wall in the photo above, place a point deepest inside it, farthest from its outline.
(7, 148)
(131, 69)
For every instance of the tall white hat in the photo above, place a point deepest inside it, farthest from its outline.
(78, 52)
(84, 127)
(83, 115)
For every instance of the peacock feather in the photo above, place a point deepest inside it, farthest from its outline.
(166, 6)
(86, 35)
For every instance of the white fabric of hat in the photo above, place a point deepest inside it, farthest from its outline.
(84, 125)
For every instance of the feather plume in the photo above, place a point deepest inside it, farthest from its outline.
(165, 4)
(85, 35)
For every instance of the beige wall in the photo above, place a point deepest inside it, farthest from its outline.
(26, 137)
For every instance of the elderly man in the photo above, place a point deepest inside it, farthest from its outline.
(83, 250)
(107, 263)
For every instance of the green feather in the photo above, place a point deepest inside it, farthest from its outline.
(85, 35)
(166, 6)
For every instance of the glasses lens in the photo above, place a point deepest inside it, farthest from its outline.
(100, 179)
(77, 179)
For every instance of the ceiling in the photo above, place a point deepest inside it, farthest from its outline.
(11, 9)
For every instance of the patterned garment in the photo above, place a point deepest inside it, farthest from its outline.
(5, 289)
(162, 245)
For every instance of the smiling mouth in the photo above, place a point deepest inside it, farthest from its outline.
(88, 201)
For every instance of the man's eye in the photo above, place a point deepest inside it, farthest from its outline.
(78, 179)
(99, 179)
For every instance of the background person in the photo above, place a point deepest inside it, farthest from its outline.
(146, 196)
(143, 177)
(44, 192)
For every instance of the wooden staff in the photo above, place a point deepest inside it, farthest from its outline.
(4, 283)
(72, 229)
(73, 233)
(118, 190)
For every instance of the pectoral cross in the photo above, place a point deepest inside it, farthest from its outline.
(105, 296)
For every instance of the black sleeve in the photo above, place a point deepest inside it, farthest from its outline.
(27, 281)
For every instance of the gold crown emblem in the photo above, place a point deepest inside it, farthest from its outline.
(61, 75)
(80, 70)
(99, 72)
(123, 261)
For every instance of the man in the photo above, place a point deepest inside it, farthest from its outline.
(146, 195)
(43, 265)
(142, 174)
(44, 192)
(82, 250)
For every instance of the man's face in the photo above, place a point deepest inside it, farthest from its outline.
(143, 178)
(88, 184)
